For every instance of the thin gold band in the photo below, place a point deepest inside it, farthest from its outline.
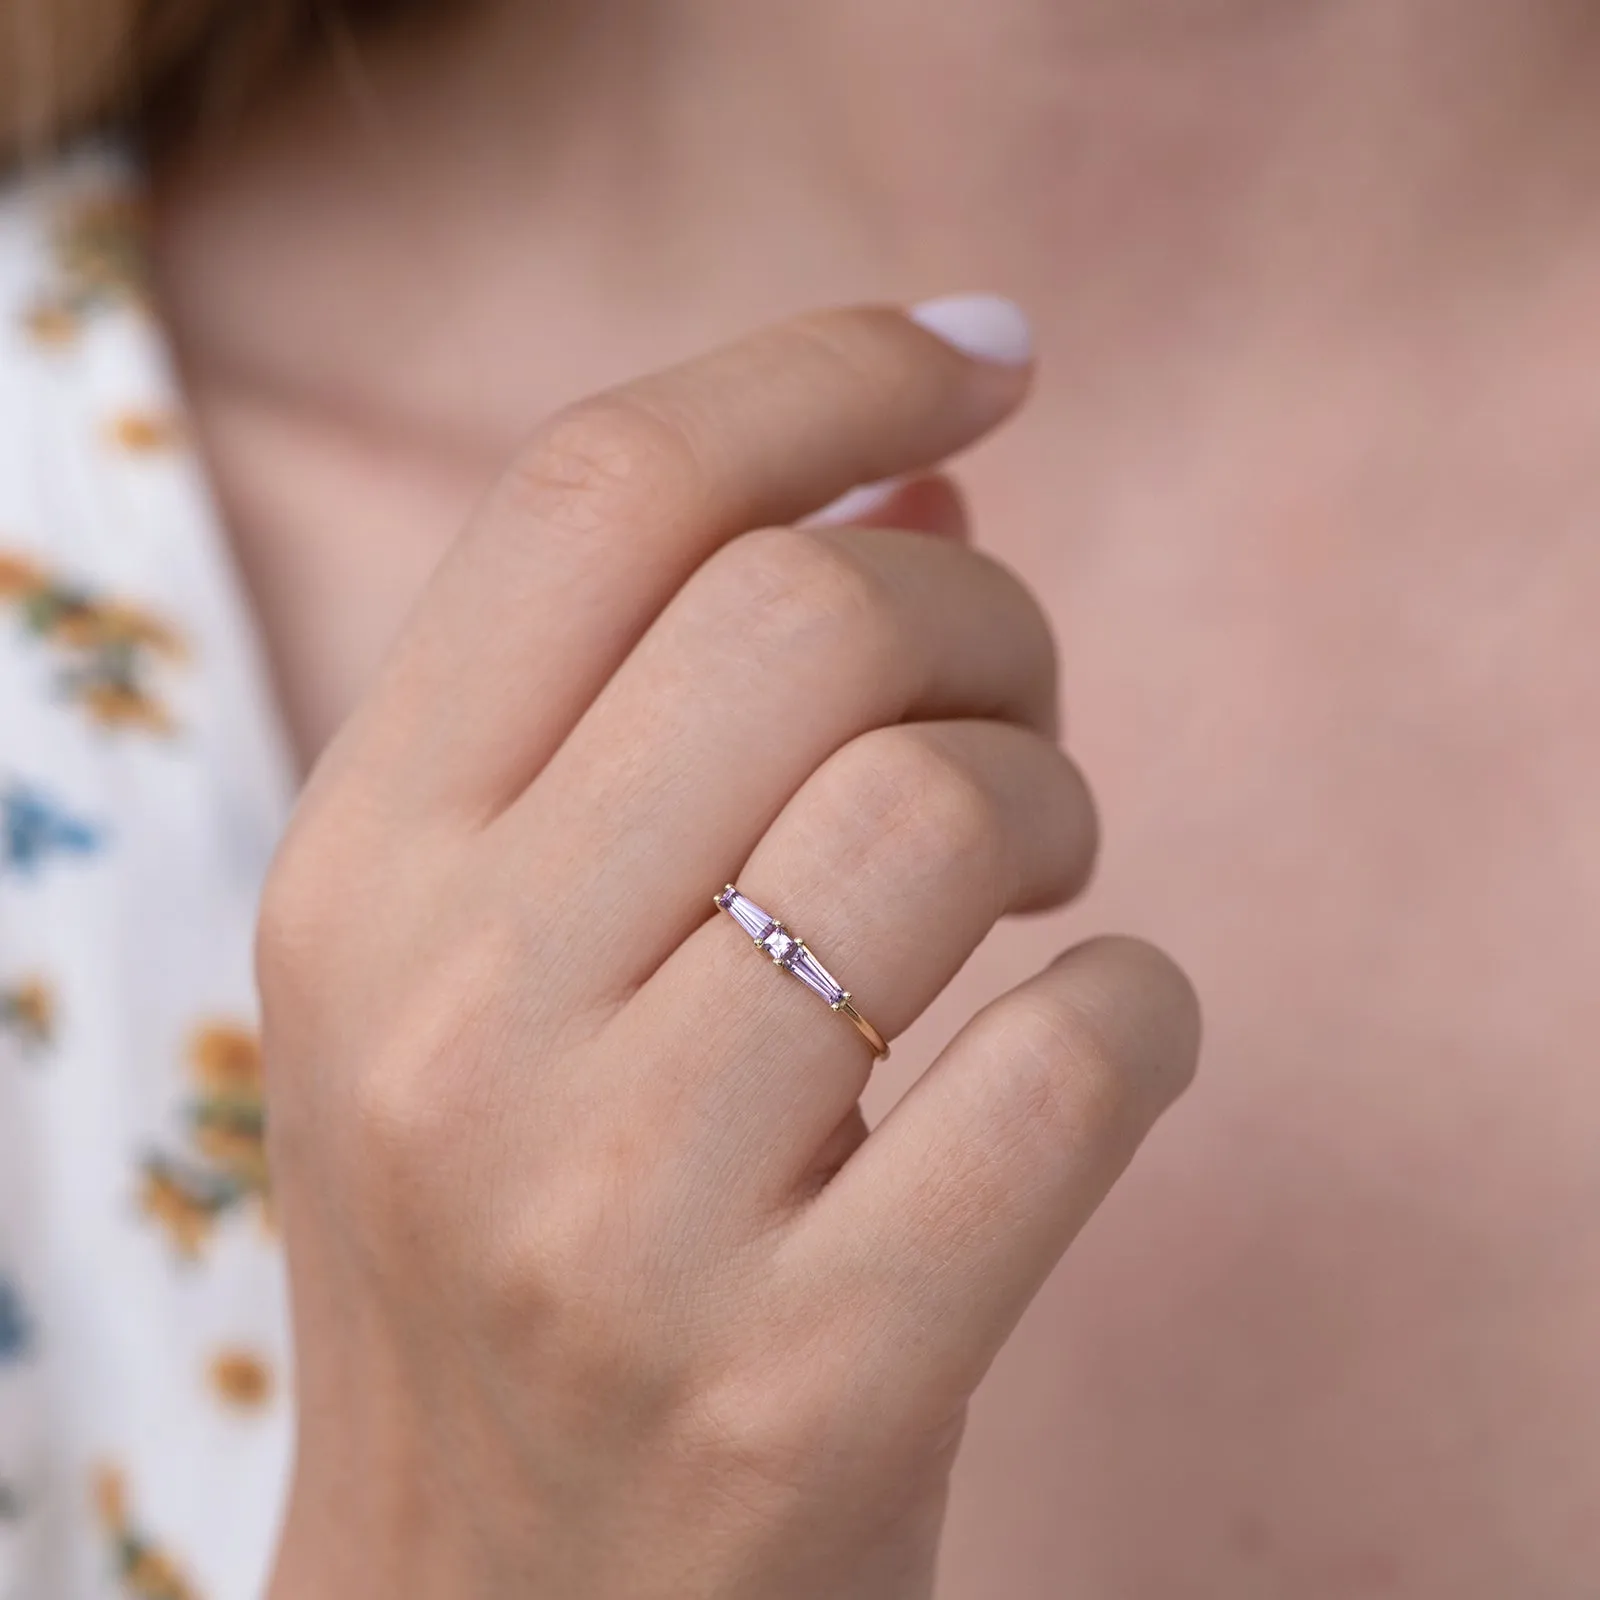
(880, 1045)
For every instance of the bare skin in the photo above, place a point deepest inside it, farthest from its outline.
(1307, 484)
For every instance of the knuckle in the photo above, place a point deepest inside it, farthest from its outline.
(1030, 616)
(1030, 637)
(404, 1122)
(756, 1427)
(1088, 1072)
(323, 891)
(607, 459)
(1060, 1103)
(406, 1109)
(567, 1252)
(294, 915)
(901, 787)
(570, 1286)
(802, 593)
(383, 1167)
(391, 1115)
(1071, 1089)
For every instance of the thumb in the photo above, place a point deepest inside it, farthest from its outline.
(928, 502)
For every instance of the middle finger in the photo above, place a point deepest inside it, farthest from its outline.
(897, 857)
(785, 646)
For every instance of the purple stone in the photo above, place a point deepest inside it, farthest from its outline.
(816, 977)
(789, 952)
(749, 916)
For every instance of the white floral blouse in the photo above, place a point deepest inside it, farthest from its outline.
(144, 1412)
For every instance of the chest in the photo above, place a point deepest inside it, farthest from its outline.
(1358, 699)
(1346, 744)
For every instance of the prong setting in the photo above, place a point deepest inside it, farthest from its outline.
(796, 958)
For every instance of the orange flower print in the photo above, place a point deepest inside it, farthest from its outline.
(241, 1379)
(109, 1493)
(185, 1204)
(99, 265)
(145, 1571)
(109, 649)
(100, 244)
(145, 432)
(115, 625)
(28, 1012)
(50, 322)
(226, 1167)
(228, 1116)
(18, 576)
(124, 705)
(226, 1059)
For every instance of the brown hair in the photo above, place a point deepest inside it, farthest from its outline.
(67, 64)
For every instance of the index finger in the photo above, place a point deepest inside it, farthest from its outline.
(617, 499)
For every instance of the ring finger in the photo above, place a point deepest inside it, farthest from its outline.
(892, 862)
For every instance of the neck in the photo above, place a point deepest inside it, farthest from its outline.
(456, 226)
(1258, 241)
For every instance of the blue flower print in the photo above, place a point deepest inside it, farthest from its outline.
(16, 1332)
(33, 826)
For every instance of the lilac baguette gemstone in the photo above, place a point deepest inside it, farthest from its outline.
(816, 977)
(746, 913)
(781, 945)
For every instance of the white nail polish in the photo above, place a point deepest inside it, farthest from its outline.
(860, 501)
(987, 327)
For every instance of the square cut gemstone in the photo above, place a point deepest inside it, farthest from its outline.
(786, 950)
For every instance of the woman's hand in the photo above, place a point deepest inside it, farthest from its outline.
(601, 1287)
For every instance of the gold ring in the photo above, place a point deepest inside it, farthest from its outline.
(796, 959)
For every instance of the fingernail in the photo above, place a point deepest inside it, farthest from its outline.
(860, 501)
(987, 327)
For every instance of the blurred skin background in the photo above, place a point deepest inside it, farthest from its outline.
(1310, 486)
